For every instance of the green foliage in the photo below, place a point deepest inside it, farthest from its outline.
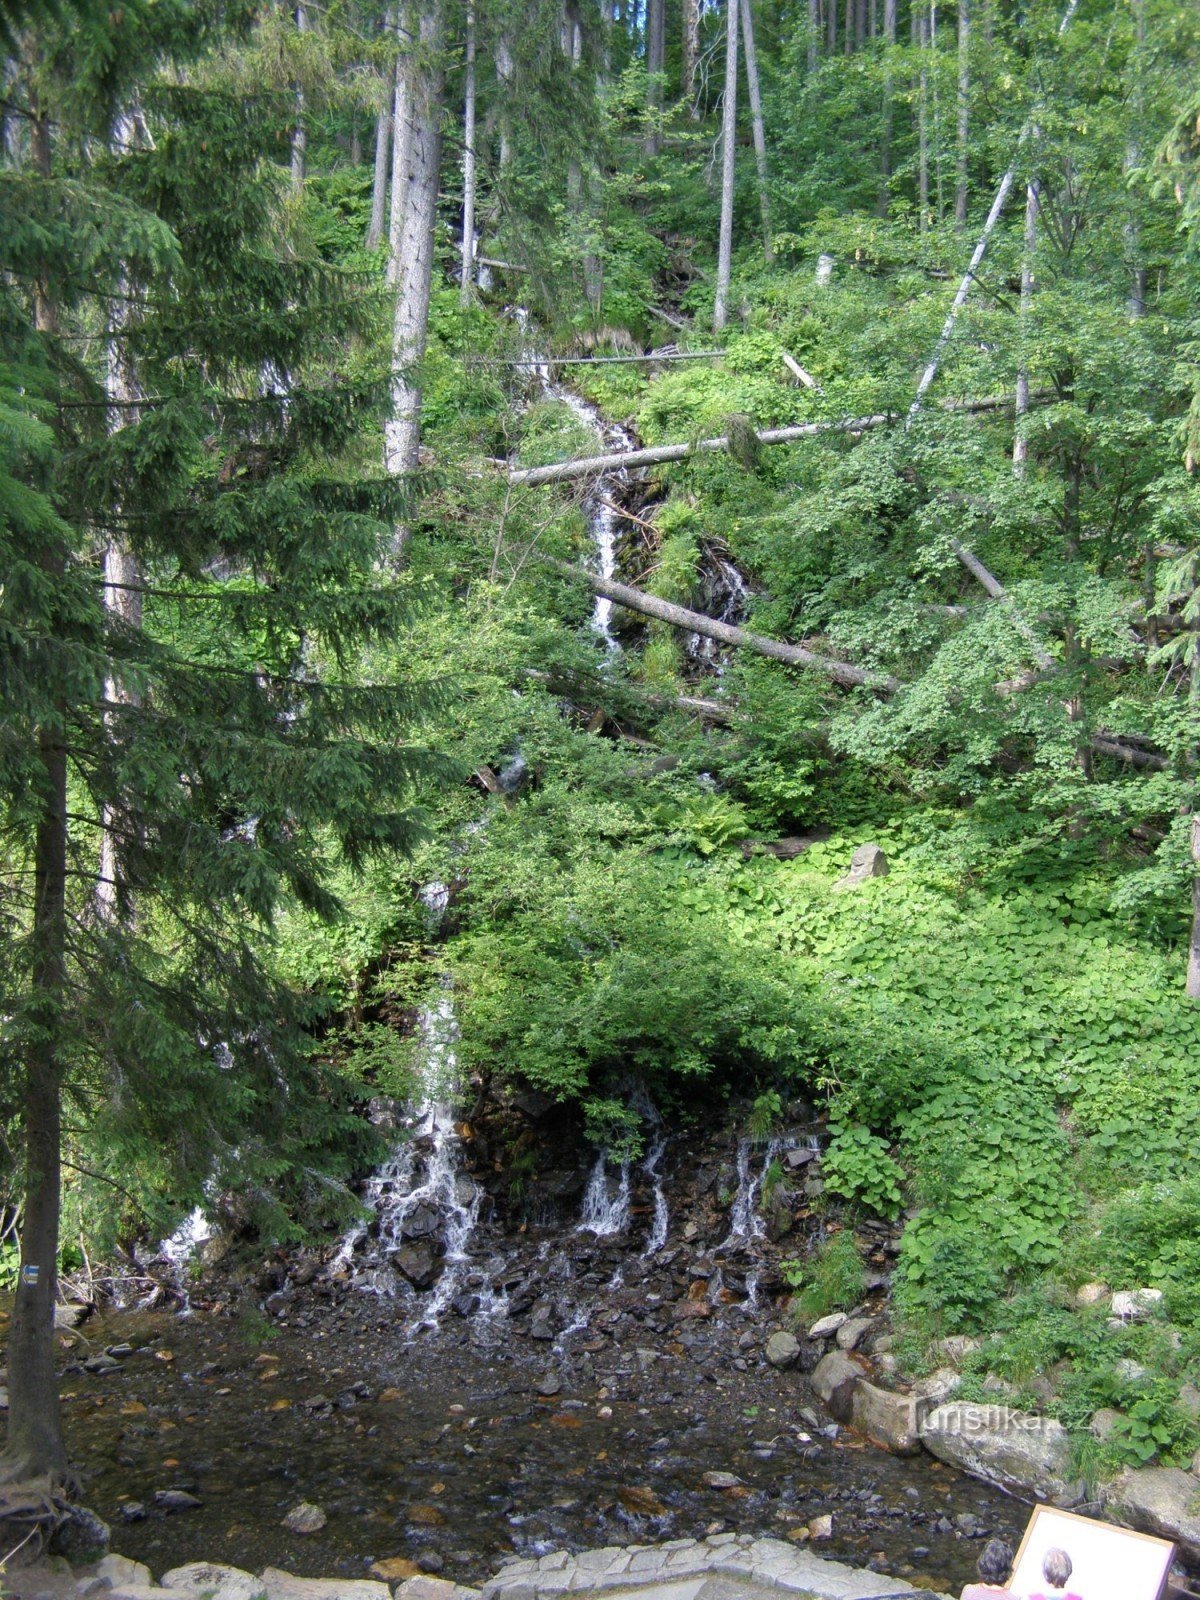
(833, 1278)
(857, 1166)
(1149, 1237)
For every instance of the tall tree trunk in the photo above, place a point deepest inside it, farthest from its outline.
(504, 77)
(728, 154)
(1020, 453)
(402, 129)
(691, 53)
(830, 27)
(383, 150)
(924, 124)
(848, 28)
(35, 1440)
(1133, 156)
(860, 24)
(937, 112)
(655, 62)
(756, 120)
(402, 433)
(467, 284)
(1193, 966)
(964, 112)
(885, 140)
(814, 34)
(299, 133)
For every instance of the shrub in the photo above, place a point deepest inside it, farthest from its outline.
(833, 1278)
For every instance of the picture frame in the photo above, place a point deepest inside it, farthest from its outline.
(1108, 1562)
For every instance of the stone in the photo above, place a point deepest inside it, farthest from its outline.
(821, 1527)
(1132, 1371)
(957, 1347)
(641, 1501)
(1189, 1399)
(142, 1591)
(101, 1364)
(834, 1380)
(1090, 1294)
(71, 1313)
(1021, 1453)
(424, 1587)
(280, 1585)
(1103, 1422)
(549, 1384)
(853, 1331)
(80, 1537)
(393, 1568)
(417, 1262)
(133, 1511)
(800, 1157)
(868, 861)
(936, 1388)
(176, 1500)
(305, 1518)
(827, 1326)
(120, 1570)
(1160, 1500)
(1131, 1305)
(721, 1480)
(782, 1348)
(200, 1578)
(892, 1421)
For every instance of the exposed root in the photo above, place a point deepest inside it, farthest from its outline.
(31, 1509)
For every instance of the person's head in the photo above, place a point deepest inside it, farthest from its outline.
(996, 1561)
(1056, 1568)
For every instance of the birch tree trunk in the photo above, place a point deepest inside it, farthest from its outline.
(964, 112)
(655, 61)
(504, 77)
(1028, 284)
(728, 153)
(467, 280)
(425, 74)
(756, 119)
(299, 134)
(35, 1445)
(691, 53)
(401, 140)
(885, 140)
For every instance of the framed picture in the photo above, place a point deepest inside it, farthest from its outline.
(1102, 1562)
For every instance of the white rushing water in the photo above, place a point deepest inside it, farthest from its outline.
(744, 1219)
(605, 1212)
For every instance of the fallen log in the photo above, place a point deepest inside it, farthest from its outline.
(657, 455)
(795, 655)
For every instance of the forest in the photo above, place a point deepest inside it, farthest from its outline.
(501, 502)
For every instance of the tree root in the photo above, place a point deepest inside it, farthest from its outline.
(31, 1510)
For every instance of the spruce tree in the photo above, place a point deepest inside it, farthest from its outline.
(228, 739)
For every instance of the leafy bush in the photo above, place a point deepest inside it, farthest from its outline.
(833, 1278)
(858, 1166)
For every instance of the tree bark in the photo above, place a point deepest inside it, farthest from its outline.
(655, 62)
(728, 154)
(1193, 966)
(35, 1443)
(467, 280)
(756, 120)
(923, 125)
(299, 133)
(794, 655)
(814, 34)
(1028, 285)
(1133, 156)
(401, 140)
(402, 433)
(964, 112)
(504, 77)
(885, 138)
(691, 53)
(379, 183)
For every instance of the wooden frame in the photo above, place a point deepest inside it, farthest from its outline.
(1108, 1569)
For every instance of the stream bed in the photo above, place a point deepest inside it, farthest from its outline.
(436, 1448)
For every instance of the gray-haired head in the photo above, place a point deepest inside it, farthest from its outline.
(1056, 1568)
(996, 1561)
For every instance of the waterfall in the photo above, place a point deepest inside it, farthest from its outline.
(658, 1230)
(603, 518)
(744, 1220)
(603, 1214)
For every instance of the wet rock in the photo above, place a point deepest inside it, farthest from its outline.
(821, 1527)
(549, 1384)
(643, 1502)
(868, 861)
(721, 1480)
(418, 1263)
(421, 1223)
(395, 1567)
(280, 1585)
(800, 1157)
(826, 1327)
(889, 1420)
(80, 1537)
(853, 1331)
(133, 1511)
(1158, 1500)
(101, 1364)
(1019, 1452)
(305, 1518)
(783, 1349)
(465, 1304)
(209, 1578)
(72, 1313)
(834, 1381)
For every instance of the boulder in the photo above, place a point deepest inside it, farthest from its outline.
(868, 861)
(200, 1578)
(1103, 1422)
(1021, 1453)
(892, 1421)
(935, 1389)
(120, 1571)
(140, 1591)
(1090, 1294)
(835, 1378)
(1131, 1305)
(782, 1348)
(418, 1263)
(279, 1585)
(827, 1326)
(853, 1331)
(1159, 1500)
(305, 1518)
(422, 1222)
(80, 1537)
